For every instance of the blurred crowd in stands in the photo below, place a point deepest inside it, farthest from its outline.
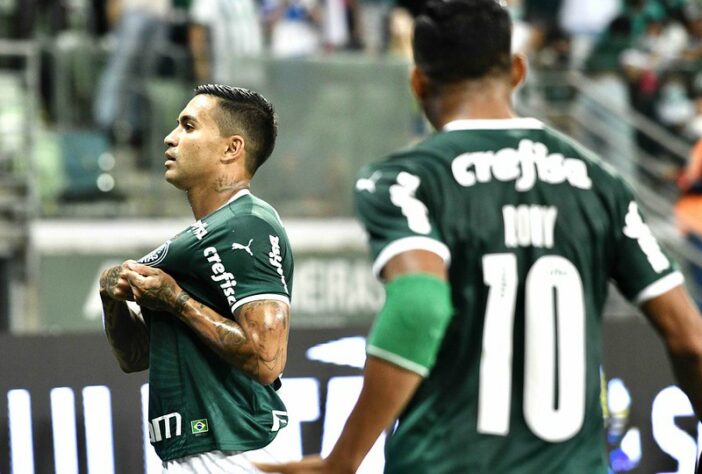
(655, 45)
(643, 54)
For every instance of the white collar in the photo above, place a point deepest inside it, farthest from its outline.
(240, 193)
(493, 124)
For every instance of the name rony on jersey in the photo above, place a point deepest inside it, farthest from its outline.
(524, 165)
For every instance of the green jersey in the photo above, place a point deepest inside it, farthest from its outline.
(531, 227)
(197, 402)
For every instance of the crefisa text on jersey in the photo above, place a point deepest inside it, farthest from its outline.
(275, 259)
(226, 280)
(525, 164)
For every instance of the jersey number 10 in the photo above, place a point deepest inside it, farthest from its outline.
(554, 334)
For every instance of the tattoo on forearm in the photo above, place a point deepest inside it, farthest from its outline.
(160, 298)
(256, 341)
(271, 331)
(180, 302)
(109, 280)
(128, 338)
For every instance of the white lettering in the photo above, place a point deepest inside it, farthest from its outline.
(336, 286)
(529, 225)
(199, 229)
(403, 195)
(226, 280)
(275, 259)
(166, 419)
(635, 228)
(668, 405)
(524, 165)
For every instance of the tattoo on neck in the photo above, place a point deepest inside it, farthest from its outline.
(225, 184)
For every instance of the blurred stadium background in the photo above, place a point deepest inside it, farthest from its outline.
(89, 88)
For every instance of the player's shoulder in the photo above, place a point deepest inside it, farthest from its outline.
(602, 174)
(247, 214)
(417, 159)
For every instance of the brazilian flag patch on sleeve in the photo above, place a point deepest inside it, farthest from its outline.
(199, 426)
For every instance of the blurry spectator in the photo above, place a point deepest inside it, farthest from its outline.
(608, 86)
(294, 27)
(375, 23)
(674, 109)
(694, 127)
(338, 23)
(542, 16)
(640, 12)
(693, 50)
(141, 27)
(691, 176)
(221, 33)
(28, 19)
(585, 21)
(400, 25)
(661, 44)
(520, 29)
(653, 92)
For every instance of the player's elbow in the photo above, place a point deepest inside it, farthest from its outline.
(130, 367)
(268, 377)
(687, 348)
(270, 368)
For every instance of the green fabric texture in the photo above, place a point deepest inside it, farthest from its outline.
(409, 329)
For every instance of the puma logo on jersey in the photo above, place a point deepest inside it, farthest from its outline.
(368, 184)
(524, 165)
(635, 228)
(246, 248)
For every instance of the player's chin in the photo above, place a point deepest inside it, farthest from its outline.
(173, 178)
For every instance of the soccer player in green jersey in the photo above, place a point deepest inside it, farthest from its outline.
(214, 299)
(496, 238)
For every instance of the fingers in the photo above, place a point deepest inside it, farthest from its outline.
(133, 278)
(141, 269)
(307, 465)
(271, 468)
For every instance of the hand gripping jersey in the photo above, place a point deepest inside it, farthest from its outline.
(197, 403)
(532, 227)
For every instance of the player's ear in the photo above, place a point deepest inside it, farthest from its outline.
(235, 150)
(419, 83)
(519, 70)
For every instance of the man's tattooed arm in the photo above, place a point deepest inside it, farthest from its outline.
(256, 343)
(126, 331)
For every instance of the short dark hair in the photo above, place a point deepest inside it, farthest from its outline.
(246, 112)
(456, 40)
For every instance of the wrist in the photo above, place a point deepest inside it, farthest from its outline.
(180, 304)
(339, 462)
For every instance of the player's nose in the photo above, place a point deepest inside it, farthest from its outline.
(171, 138)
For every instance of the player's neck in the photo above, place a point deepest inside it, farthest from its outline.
(474, 101)
(205, 200)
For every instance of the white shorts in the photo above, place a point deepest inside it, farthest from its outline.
(219, 462)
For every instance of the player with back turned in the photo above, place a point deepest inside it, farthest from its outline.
(496, 238)
(215, 299)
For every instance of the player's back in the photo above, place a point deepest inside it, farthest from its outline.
(533, 225)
